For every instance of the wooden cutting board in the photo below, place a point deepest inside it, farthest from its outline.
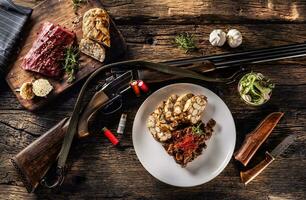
(60, 12)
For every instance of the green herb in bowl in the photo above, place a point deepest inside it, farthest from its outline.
(255, 89)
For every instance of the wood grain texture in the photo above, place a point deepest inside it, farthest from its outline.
(62, 13)
(99, 171)
(201, 11)
(205, 11)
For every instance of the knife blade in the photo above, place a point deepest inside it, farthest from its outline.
(256, 138)
(109, 92)
(281, 147)
(249, 175)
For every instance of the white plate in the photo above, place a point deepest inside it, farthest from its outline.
(205, 167)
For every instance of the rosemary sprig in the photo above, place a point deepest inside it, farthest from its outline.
(197, 129)
(185, 42)
(71, 62)
(77, 3)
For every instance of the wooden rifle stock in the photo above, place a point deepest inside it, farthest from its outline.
(33, 162)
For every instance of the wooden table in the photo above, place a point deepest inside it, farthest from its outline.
(100, 171)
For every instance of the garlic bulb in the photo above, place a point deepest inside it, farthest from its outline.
(217, 37)
(234, 38)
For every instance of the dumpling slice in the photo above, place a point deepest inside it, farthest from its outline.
(178, 112)
(157, 124)
(169, 106)
(194, 108)
(163, 132)
(180, 102)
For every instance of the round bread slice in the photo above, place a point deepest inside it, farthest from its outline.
(96, 26)
(92, 49)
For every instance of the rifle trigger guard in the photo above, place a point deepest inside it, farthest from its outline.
(104, 110)
(59, 179)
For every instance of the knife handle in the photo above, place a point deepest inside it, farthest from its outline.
(96, 102)
(250, 174)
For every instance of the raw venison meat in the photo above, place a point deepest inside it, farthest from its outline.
(48, 50)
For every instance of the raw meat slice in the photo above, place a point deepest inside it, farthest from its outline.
(48, 50)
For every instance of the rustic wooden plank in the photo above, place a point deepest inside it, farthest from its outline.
(204, 11)
(106, 169)
(200, 11)
(156, 42)
(108, 172)
(182, 194)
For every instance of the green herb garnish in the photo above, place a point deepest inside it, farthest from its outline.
(255, 89)
(77, 3)
(196, 129)
(185, 42)
(71, 62)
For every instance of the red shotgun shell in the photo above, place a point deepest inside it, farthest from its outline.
(112, 138)
(134, 85)
(143, 86)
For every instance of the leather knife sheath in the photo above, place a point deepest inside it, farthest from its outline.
(255, 139)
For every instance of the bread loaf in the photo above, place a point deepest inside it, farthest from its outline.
(92, 49)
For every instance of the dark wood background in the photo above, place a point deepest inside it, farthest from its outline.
(100, 171)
